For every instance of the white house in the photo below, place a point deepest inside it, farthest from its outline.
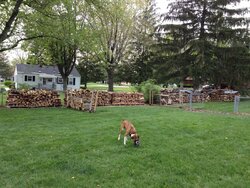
(44, 77)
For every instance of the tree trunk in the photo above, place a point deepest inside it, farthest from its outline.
(110, 72)
(65, 83)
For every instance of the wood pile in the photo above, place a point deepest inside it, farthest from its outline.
(104, 98)
(76, 98)
(84, 100)
(127, 99)
(222, 95)
(180, 96)
(32, 99)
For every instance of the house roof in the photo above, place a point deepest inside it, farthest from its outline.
(45, 69)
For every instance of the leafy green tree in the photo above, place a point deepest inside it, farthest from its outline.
(9, 11)
(137, 64)
(61, 23)
(12, 16)
(6, 70)
(90, 70)
(113, 23)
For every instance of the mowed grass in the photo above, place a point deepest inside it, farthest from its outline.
(57, 147)
(3, 97)
(244, 106)
(117, 88)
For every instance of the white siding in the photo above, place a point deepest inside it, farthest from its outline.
(19, 78)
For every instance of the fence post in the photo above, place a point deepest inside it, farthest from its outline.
(180, 98)
(236, 103)
(149, 97)
(2, 97)
(190, 101)
(160, 99)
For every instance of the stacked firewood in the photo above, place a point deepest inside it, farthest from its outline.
(32, 99)
(85, 100)
(173, 97)
(127, 99)
(104, 98)
(183, 96)
(76, 98)
(222, 95)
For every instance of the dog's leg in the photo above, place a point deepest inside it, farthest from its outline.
(126, 136)
(125, 140)
(119, 135)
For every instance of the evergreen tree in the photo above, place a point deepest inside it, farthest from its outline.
(197, 33)
(6, 70)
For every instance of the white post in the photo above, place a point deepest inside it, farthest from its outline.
(236, 103)
(190, 101)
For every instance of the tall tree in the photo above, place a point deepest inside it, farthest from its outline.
(138, 59)
(9, 11)
(195, 30)
(12, 16)
(90, 70)
(62, 28)
(6, 70)
(113, 23)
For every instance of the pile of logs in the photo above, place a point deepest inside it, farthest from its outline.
(222, 95)
(181, 96)
(127, 99)
(104, 98)
(32, 99)
(84, 100)
(77, 98)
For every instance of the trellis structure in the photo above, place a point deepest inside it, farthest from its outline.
(87, 102)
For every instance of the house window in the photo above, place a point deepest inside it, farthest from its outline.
(72, 81)
(28, 78)
(50, 79)
(59, 80)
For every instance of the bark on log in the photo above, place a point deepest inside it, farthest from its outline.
(32, 99)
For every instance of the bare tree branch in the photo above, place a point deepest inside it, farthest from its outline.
(25, 39)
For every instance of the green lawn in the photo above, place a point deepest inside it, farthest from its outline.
(57, 147)
(117, 88)
(2, 95)
(244, 106)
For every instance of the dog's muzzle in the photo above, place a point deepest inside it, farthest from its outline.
(137, 143)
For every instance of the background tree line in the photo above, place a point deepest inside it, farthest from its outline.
(126, 40)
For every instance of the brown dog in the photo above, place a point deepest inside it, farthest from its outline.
(130, 131)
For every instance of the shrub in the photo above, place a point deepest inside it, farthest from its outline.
(146, 87)
(244, 92)
(24, 86)
(8, 83)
